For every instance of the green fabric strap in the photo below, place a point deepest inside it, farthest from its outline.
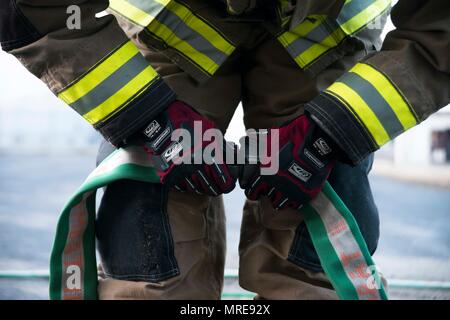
(335, 234)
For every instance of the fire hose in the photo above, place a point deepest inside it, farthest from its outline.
(337, 239)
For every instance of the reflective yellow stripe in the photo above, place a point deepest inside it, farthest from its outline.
(178, 27)
(318, 49)
(134, 14)
(122, 97)
(375, 101)
(209, 33)
(99, 73)
(162, 2)
(110, 85)
(301, 30)
(185, 48)
(303, 43)
(359, 107)
(387, 90)
(370, 13)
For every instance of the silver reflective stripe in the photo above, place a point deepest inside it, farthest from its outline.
(345, 246)
(195, 39)
(317, 35)
(321, 32)
(149, 6)
(180, 28)
(351, 9)
(111, 85)
(375, 101)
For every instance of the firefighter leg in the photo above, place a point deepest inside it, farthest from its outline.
(277, 258)
(156, 243)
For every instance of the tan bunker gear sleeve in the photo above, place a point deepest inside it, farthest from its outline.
(99, 72)
(394, 89)
(88, 62)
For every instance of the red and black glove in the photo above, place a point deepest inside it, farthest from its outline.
(306, 158)
(179, 161)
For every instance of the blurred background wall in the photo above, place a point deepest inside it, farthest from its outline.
(32, 120)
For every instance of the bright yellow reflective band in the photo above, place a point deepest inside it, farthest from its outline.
(184, 47)
(303, 43)
(202, 28)
(122, 97)
(393, 97)
(131, 12)
(364, 17)
(110, 85)
(177, 26)
(318, 49)
(162, 2)
(301, 30)
(98, 73)
(359, 107)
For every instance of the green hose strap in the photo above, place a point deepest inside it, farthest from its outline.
(335, 234)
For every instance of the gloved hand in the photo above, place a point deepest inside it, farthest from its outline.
(306, 158)
(169, 154)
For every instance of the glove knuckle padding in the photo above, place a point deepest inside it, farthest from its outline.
(303, 165)
(176, 158)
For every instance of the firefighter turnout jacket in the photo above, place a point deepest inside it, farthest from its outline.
(96, 69)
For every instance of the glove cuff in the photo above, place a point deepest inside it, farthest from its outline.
(320, 148)
(153, 131)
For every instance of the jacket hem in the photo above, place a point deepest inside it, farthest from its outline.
(342, 126)
(140, 112)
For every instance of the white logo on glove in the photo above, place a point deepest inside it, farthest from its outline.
(299, 172)
(322, 147)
